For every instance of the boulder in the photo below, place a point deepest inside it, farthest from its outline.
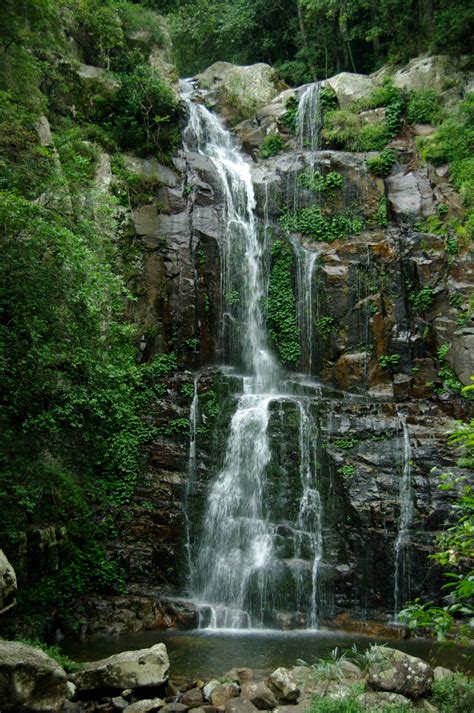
(283, 685)
(240, 91)
(8, 585)
(259, 695)
(350, 87)
(429, 72)
(150, 169)
(30, 680)
(378, 700)
(439, 672)
(398, 672)
(223, 693)
(129, 669)
(410, 196)
(174, 708)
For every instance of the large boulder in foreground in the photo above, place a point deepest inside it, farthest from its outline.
(398, 672)
(30, 680)
(238, 92)
(145, 668)
(8, 585)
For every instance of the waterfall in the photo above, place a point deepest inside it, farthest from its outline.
(305, 265)
(309, 118)
(402, 543)
(238, 571)
(191, 473)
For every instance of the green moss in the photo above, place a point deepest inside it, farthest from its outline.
(281, 304)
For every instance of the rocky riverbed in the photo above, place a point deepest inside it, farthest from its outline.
(381, 678)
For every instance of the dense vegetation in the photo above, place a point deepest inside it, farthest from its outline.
(72, 391)
(307, 39)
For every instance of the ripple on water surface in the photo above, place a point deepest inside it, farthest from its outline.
(206, 653)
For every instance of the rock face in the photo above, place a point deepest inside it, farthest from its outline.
(350, 87)
(8, 585)
(30, 680)
(239, 92)
(400, 673)
(129, 669)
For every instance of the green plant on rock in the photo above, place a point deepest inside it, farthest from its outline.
(325, 325)
(452, 245)
(55, 653)
(187, 390)
(381, 216)
(453, 694)
(323, 228)
(289, 117)
(445, 373)
(422, 300)
(281, 304)
(346, 470)
(271, 145)
(382, 164)
(210, 403)
(389, 361)
(423, 107)
(315, 181)
(346, 443)
(193, 343)
(328, 100)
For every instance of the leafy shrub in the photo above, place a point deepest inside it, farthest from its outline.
(382, 165)
(271, 145)
(325, 325)
(317, 182)
(323, 228)
(389, 361)
(328, 99)
(383, 95)
(55, 653)
(143, 113)
(289, 117)
(347, 130)
(453, 694)
(281, 304)
(423, 107)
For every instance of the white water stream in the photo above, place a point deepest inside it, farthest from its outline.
(234, 570)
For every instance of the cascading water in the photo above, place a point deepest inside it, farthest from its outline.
(309, 118)
(402, 542)
(237, 572)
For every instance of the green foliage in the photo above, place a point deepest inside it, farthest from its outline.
(445, 373)
(381, 217)
(452, 143)
(346, 443)
(384, 95)
(346, 130)
(422, 300)
(382, 164)
(389, 361)
(325, 325)
(323, 228)
(455, 547)
(423, 107)
(328, 99)
(453, 694)
(55, 653)
(281, 304)
(315, 181)
(187, 390)
(289, 117)
(271, 145)
(346, 470)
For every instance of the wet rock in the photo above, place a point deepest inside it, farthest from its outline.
(209, 687)
(129, 669)
(148, 705)
(30, 680)
(239, 705)
(192, 698)
(375, 701)
(119, 703)
(398, 672)
(260, 695)
(282, 683)
(223, 693)
(174, 708)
